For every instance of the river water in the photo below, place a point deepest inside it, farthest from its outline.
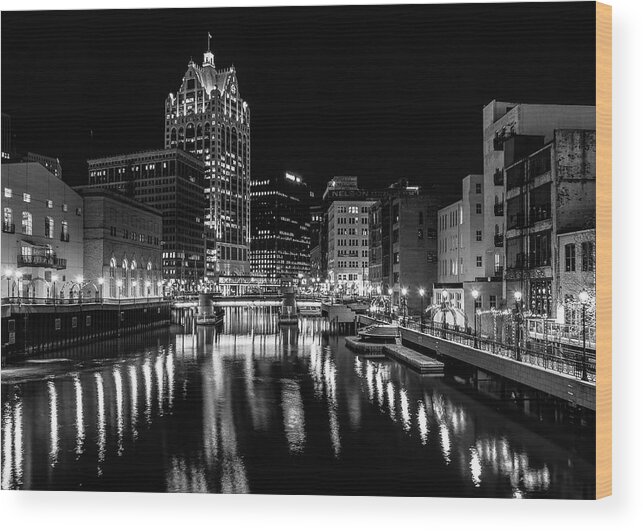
(252, 408)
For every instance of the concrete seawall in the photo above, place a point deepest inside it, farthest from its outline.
(560, 385)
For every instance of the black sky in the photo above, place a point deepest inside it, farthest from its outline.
(381, 92)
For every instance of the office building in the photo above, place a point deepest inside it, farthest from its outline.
(170, 181)
(280, 245)
(208, 118)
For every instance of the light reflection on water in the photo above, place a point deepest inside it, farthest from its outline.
(269, 410)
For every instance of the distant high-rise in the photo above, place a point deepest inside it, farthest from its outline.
(207, 117)
(281, 226)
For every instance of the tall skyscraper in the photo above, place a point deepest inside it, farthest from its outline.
(207, 117)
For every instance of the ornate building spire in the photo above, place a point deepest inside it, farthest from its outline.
(208, 57)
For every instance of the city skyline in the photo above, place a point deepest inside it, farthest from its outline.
(315, 107)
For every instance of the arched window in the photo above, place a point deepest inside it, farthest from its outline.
(125, 277)
(173, 137)
(112, 277)
(181, 139)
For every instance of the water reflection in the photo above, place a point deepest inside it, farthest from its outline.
(266, 409)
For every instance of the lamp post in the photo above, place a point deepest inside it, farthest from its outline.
(119, 285)
(475, 294)
(19, 279)
(8, 273)
(390, 304)
(422, 309)
(54, 279)
(445, 297)
(583, 296)
(101, 281)
(147, 289)
(518, 319)
(404, 308)
(160, 286)
(134, 284)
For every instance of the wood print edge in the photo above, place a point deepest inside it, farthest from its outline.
(603, 250)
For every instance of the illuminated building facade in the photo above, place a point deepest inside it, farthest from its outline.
(348, 246)
(281, 226)
(42, 233)
(208, 117)
(170, 181)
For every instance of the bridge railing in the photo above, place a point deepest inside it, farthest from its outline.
(565, 361)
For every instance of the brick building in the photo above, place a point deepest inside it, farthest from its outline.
(122, 245)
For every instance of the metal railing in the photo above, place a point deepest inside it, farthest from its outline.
(551, 358)
(568, 334)
(41, 260)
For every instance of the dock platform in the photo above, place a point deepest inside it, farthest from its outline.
(420, 362)
(364, 348)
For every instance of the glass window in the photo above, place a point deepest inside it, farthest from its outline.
(26, 197)
(27, 227)
(8, 192)
(50, 203)
(570, 257)
(478, 261)
(7, 219)
(478, 235)
(587, 256)
(478, 208)
(64, 231)
(49, 227)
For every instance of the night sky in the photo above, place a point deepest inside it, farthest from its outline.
(380, 92)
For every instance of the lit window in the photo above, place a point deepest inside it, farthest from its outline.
(27, 227)
(8, 192)
(50, 203)
(26, 197)
(64, 206)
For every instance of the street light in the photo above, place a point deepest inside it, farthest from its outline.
(119, 285)
(475, 294)
(583, 296)
(147, 289)
(390, 303)
(134, 284)
(8, 274)
(101, 281)
(422, 309)
(19, 279)
(405, 307)
(445, 297)
(518, 319)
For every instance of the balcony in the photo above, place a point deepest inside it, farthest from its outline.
(540, 213)
(41, 260)
(8, 227)
(499, 209)
(499, 240)
(498, 178)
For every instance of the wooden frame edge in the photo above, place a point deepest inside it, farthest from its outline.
(603, 250)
